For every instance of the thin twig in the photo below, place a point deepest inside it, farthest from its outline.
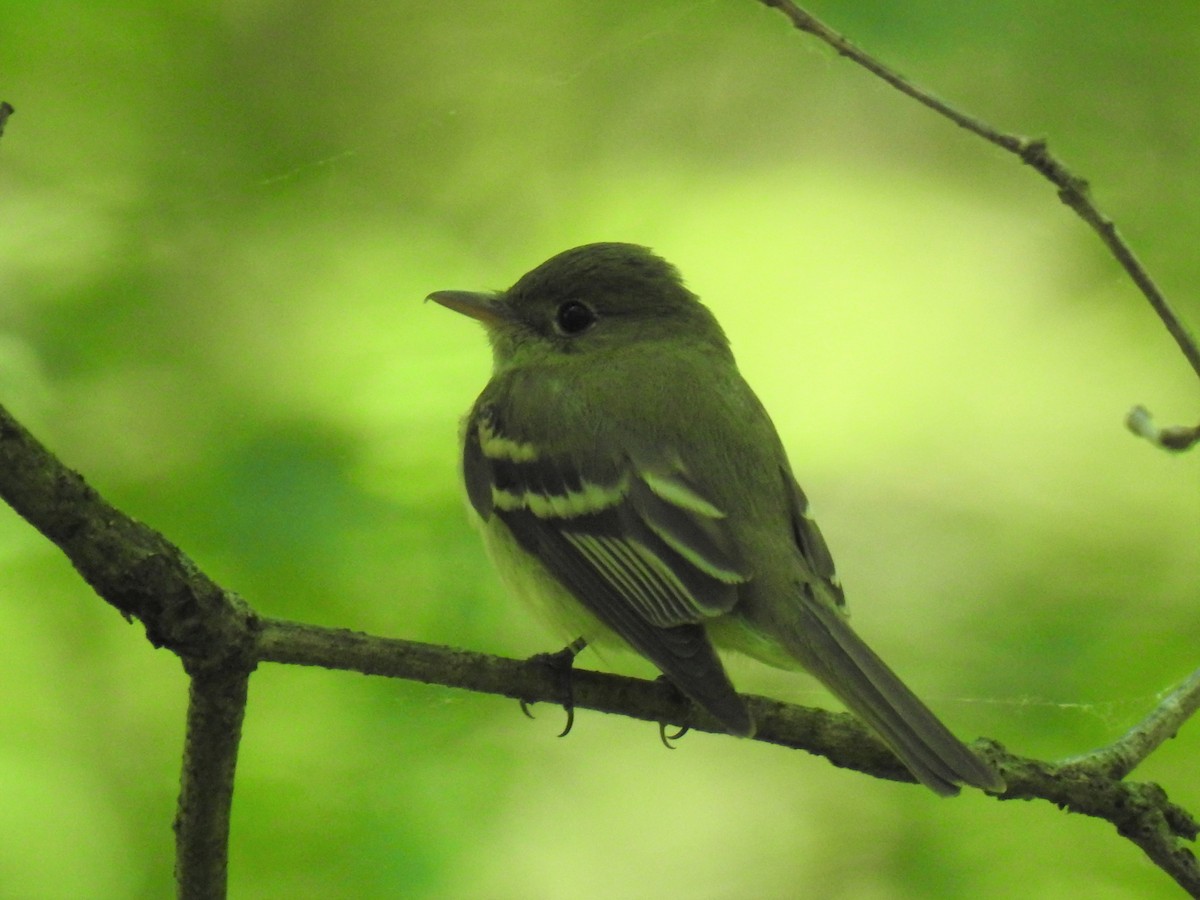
(1163, 723)
(1156, 832)
(216, 707)
(1172, 437)
(1072, 190)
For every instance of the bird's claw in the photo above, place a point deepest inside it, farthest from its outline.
(561, 663)
(667, 738)
(662, 726)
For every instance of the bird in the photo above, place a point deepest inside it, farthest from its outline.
(629, 483)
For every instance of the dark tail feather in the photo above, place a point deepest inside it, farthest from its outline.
(831, 650)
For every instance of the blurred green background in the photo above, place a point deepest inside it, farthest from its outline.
(217, 223)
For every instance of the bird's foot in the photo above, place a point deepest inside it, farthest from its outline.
(662, 726)
(561, 664)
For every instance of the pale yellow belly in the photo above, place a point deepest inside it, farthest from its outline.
(531, 583)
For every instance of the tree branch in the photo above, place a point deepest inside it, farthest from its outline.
(1121, 757)
(1072, 190)
(216, 707)
(1088, 785)
(220, 640)
(141, 573)
(839, 737)
(130, 565)
(211, 630)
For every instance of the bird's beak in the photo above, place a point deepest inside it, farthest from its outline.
(489, 309)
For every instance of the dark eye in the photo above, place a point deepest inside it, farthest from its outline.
(574, 317)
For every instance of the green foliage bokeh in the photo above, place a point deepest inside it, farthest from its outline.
(217, 222)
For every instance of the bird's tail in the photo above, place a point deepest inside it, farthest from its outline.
(830, 650)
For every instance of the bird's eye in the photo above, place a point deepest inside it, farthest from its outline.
(574, 317)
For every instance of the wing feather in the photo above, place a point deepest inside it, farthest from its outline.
(809, 540)
(638, 545)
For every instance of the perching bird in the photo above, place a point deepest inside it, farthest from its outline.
(629, 480)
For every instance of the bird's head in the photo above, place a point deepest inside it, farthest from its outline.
(594, 299)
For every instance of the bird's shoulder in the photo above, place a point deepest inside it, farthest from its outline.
(641, 395)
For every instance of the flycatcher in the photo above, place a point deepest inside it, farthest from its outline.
(629, 482)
